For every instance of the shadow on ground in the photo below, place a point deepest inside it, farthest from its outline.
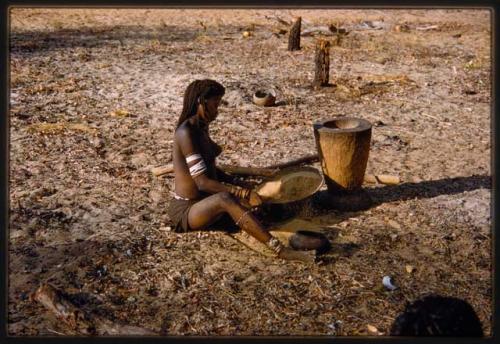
(90, 37)
(428, 189)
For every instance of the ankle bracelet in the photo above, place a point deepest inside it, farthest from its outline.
(275, 245)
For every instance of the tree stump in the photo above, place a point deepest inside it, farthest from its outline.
(322, 63)
(343, 145)
(294, 37)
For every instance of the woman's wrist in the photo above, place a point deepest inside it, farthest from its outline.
(240, 192)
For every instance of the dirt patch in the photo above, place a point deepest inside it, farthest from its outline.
(94, 98)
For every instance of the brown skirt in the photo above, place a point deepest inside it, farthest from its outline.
(178, 211)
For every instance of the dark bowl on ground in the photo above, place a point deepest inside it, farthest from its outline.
(308, 240)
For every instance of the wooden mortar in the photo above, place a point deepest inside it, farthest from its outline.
(343, 145)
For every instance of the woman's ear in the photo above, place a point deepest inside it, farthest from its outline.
(200, 109)
(201, 102)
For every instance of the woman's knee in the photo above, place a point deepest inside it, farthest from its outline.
(226, 198)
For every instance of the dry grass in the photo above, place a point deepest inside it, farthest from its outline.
(60, 128)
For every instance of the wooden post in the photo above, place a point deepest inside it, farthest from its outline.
(294, 37)
(322, 63)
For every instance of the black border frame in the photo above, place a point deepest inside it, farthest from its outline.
(492, 5)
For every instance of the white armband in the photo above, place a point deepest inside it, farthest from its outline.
(197, 168)
(192, 157)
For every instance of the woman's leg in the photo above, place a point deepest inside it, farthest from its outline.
(206, 211)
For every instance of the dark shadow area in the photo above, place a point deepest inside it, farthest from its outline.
(31, 41)
(325, 202)
(428, 189)
(90, 37)
(70, 267)
(281, 103)
(345, 249)
(338, 250)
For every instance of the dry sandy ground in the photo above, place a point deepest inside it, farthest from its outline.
(88, 216)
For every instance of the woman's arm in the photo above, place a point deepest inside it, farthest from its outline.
(247, 195)
(195, 163)
(230, 179)
(197, 169)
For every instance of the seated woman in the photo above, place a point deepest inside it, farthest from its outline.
(200, 197)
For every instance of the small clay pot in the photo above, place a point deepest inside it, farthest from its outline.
(264, 98)
(308, 240)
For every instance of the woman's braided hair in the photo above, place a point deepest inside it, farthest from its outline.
(197, 92)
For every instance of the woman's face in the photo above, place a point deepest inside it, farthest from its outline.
(210, 108)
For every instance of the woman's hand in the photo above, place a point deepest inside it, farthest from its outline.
(248, 197)
(243, 183)
(254, 199)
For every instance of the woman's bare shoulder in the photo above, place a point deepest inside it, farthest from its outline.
(183, 131)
